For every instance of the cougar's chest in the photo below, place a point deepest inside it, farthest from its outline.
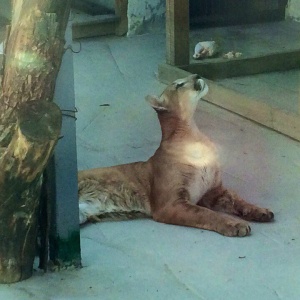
(204, 163)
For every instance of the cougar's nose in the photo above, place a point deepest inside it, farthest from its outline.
(195, 77)
(197, 82)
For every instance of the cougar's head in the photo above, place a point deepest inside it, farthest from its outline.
(180, 98)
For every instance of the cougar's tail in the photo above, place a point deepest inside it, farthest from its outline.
(109, 201)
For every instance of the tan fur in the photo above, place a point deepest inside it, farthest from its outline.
(180, 184)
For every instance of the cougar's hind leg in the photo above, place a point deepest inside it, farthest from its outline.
(91, 200)
(100, 200)
(224, 200)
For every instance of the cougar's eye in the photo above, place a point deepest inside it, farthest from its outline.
(178, 85)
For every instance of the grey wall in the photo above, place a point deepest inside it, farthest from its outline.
(293, 10)
(109, 4)
(145, 16)
(5, 9)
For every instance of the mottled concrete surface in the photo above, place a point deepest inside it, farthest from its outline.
(145, 16)
(143, 259)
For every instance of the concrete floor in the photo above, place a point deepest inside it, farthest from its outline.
(142, 259)
(284, 94)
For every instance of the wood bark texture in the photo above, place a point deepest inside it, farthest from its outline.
(21, 164)
(33, 53)
(29, 125)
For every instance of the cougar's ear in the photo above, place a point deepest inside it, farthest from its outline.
(156, 103)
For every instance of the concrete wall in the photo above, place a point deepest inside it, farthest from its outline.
(5, 9)
(145, 16)
(109, 4)
(293, 10)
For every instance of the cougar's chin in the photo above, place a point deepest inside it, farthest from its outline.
(202, 87)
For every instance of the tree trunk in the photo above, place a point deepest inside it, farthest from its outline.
(29, 125)
(33, 55)
(22, 163)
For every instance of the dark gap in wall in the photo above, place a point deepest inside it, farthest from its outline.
(209, 13)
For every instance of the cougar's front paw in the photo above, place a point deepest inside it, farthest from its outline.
(235, 228)
(265, 215)
(260, 215)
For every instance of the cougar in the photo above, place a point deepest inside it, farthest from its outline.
(180, 184)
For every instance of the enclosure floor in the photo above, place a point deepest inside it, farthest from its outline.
(280, 90)
(256, 40)
(143, 259)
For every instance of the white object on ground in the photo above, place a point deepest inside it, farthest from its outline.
(205, 49)
(232, 54)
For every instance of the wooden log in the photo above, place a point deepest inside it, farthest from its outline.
(218, 68)
(91, 26)
(177, 32)
(29, 126)
(33, 53)
(21, 166)
(121, 12)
